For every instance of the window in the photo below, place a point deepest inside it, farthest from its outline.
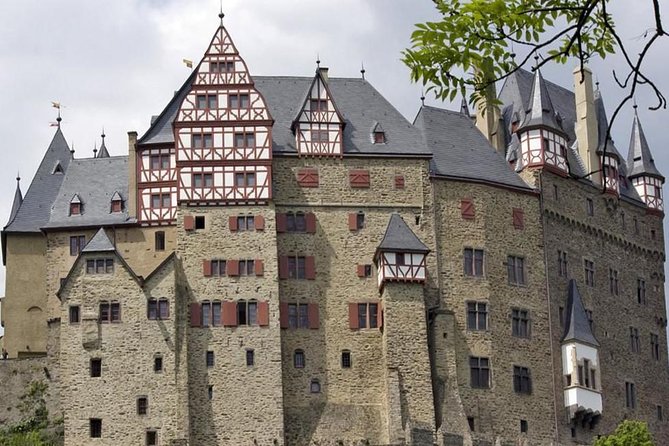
(523, 423)
(296, 222)
(641, 291)
(556, 195)
(151, 438)
(158, 364)
(75, 208)
(470, 422)
(522, 382)
(210, 392)
(379, 137)
(100, 266)
(655, 346)
(653, 234)
(367, 270)
(586, 375)
(298, 359)
(96, 367)
(77, 243)
(479, 369)
(298, 316)
(630, 395)
(243, 140)
(246, 223)
(636, 225)
(321, 136)
(613, 282)
(222, 66)
(250, 357)
(246, 267)
(203, 180)
(477, 316)
(400, 260)
(588, 314)
(315, 386)
(318, 105)
(210, 358)
(520, 323)
(110, 312)
(590, 207)
(635, 344)
(562, 264)
(245, 179)
(622, 220)
(158, 309)
(159, 242)
(516, 270)
(368, 315)
(473, 262)
(199, 222)
(161, 201)
(247, 313)
(74, 314)
(589, 271)
(142, 405)
(660, 415)
(345, 359)
(95, 427)
(359, 220)
(202, 140)
(240, 100)
(206, 101)
(211, 314)
(160, 162)
(297, 267)
(218, 268)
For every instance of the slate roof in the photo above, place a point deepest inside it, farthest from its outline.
(577, 325)
(602, 127)
(539, 109)
(639, 158)
(103, 152)
(94, 181)
(36, 207)
(16, 204)
(400, 237)
(99, 243)
(461, 151)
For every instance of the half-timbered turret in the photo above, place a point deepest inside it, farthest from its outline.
(608, 154)
(318, 126)
(543, 142)
(641, 170)
(401, 255)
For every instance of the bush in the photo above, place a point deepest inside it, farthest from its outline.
(628, 433)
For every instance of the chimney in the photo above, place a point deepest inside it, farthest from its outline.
(489, 121)
(586, 122)
(132, 175)
(324, 73)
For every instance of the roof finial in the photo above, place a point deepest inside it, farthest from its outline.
(422, 97)
(513, 54)
(18, 176)
(95, 149)
(318, 60)
(103, 134)
(536, 62)
(72, 149)
(220, 14)
(362, 70)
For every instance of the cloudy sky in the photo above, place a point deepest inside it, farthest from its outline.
(116, 63)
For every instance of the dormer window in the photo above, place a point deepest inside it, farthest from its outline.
(379, 137)
(58, 169)
(116, 202)
(75, 205)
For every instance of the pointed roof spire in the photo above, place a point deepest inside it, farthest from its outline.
(577, 323)
(639, 159)
(362, 70)
(539, 110)
(103, 153)
(99, 243)
(602, 128)
(95, 149)
(399, 237)
(18, 200)
(464, 107)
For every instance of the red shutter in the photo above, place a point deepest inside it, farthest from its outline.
(312, 312)
(206, 268)
(399, 181)
(259, 267)
(307, 177)
(281, 222)
(379, 314)
(195, 315)
(229, 314)
(232, 267)
(263, 314)
(283, 314)
(358, 178)
(232, 223)
(283, 267)
(353, 316)
(310, 218)
(518, 218)
(467, 209)
(361, 270)
(310, 267)
(260, 222)
(189, 222)
(353, 222)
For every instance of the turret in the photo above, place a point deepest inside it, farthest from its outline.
(580, 363)
(103, 152)
(401, 255)
(608, 155)
(18, 200)
(641, 170)
(543, 142)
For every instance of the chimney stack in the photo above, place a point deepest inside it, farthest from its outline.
(132, 175)
(489, 121)
(586, 122)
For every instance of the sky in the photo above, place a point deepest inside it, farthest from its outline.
(113, 64)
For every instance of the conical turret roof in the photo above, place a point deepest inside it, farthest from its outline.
(539, 111)
(18, 200)
(577, 325)
(103, 152)
(399, 237)
(602, 128)
(639, 159)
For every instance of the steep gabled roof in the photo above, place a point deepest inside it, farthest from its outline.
(35, 210)
(99, 243)
(318, 79)
(577, 325)
(539, 109)
(639, 158)
(400, 238)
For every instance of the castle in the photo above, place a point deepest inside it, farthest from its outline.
(288, 261)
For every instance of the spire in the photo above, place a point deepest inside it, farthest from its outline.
(464, 107)
(103, 153)
(99, 243)
(539, 110)
(577, 323)
(18, 200)
(639, 159)
(362, 70)
(602, 127)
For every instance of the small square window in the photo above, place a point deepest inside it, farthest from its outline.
(250, 358)
(74, 314)
(96, 367)
(523, 426)
(315, 386)
(158, 364)
(199, 222)
(368, 270)
(160, 241)
(379, 138)
(346, 359)
(95, 426)
(142, 405)
(298, 359)
(151, 438)
(210, 359)
(360, 220)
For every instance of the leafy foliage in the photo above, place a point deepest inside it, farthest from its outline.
(628, 433)
(34, 429)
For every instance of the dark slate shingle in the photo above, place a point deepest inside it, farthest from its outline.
(99, 243)
(639, 158)
(577, 325)
(400, 237)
